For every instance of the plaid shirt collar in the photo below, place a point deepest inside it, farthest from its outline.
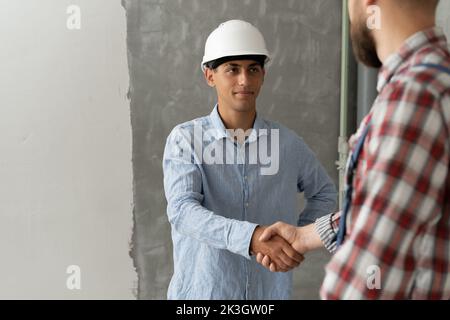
(433, 36)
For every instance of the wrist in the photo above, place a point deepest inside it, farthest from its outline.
(308, 238)
(253, 250)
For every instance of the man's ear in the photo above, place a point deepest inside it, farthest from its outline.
(209, 77)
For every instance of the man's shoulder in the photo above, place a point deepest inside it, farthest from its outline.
(426, 71)
(285, 133)
(188, 126)
(274, 125)
(419, 85)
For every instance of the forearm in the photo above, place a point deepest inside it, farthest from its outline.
(309, 238)
(193, 220)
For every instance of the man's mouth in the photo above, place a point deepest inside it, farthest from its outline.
(244, 93)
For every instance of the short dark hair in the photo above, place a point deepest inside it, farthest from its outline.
(260, 59)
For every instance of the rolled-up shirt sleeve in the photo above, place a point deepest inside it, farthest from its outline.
(327, 228)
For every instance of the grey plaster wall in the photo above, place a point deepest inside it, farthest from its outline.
(165, 47)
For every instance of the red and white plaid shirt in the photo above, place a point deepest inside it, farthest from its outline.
(398, 227)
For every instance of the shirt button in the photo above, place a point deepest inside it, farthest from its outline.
(245, 177)
(246, 204)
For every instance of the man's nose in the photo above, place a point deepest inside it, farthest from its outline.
(244, 78)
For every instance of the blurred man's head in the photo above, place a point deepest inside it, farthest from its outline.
(403, 13)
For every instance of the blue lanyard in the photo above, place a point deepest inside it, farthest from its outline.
(351, 169)
(435, 66)
(353, 164)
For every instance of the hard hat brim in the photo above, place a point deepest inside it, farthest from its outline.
(239, 55)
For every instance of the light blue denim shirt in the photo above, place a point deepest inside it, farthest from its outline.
(213, 208)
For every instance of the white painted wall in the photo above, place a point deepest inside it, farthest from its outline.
(443, 16)
(65, 151)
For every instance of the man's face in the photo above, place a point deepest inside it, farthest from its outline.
(363, 42)
(237, 84)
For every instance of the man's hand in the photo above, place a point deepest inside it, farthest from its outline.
(302, 239)
(278, 250)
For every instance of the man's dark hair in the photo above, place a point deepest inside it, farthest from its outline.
(260, 59)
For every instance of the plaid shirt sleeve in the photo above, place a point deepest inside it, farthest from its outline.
(398, 191)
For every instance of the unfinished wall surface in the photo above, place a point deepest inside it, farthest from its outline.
(65, 145)
(165, 44)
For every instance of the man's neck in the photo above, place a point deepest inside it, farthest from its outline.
(237, 120)
(393, 35)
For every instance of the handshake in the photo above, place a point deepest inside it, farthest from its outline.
(280, 247)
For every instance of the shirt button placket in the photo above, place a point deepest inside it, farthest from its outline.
(246, 205)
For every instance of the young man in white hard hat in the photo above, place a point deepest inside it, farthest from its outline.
(222, 187)
(392, 239)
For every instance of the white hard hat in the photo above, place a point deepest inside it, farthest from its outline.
(234, 38)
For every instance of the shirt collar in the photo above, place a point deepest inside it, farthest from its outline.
(433, 36)
(221, 132)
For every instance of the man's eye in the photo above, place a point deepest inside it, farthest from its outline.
(254, 70)
(232, 70)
